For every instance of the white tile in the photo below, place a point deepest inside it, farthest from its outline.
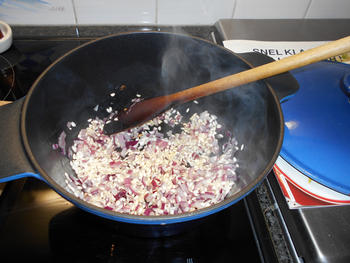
(329, 9)
(37, 12)
(193, 12)
(115, 11)
(271, 9)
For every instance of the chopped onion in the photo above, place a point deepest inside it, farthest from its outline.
(143, 171)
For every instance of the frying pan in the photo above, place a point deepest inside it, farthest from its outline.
(151, 64)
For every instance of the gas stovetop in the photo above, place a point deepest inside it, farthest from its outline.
(37, 224)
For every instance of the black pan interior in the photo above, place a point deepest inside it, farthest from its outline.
(150, 64)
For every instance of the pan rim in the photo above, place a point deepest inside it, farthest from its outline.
(139, 219)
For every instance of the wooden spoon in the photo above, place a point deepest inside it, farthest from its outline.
(148, 109)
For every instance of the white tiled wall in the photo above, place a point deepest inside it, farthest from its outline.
(329, 9)
(163, 12)
(115, 11)
(181, 12)
(37, 12)
(270, 9)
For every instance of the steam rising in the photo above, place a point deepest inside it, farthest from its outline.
(189, 63)
(244, 110)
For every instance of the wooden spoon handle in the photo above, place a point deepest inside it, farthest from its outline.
(4, 102)
(307, 57)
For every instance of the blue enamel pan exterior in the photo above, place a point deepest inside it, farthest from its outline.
(75, 83)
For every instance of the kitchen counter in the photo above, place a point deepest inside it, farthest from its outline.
(283, 29)
(23, 32)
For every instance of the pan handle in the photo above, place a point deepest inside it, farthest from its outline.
(284, 85)
(14, 163)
